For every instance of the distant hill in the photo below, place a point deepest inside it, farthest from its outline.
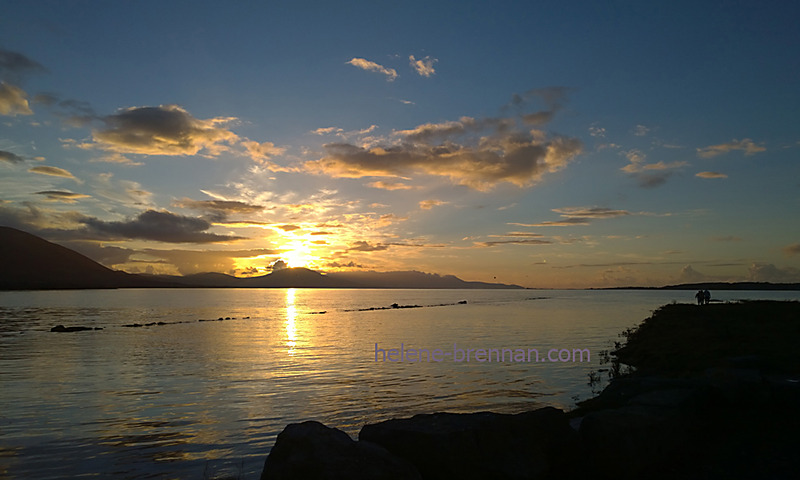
(411, 279)
(719, 286)
(734, 286)
(28, 262)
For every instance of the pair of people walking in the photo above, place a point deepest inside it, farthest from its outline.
(703, 297)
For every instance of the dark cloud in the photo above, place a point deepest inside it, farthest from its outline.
(106, 255)
(74, 113)
(651, 180)
(10, 157)
(158, 226)
(362, 246)
(530, 241)
(479, 153)
(62, 196)
(350, 264)
(219, 210)
(572, 216)
(14, 63)
(52, 171)
(792, 249)
(514, 159)
(162, 130)
(279, 265)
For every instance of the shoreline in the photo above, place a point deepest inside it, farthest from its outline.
(696, 392)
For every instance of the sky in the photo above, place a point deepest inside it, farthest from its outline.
(566, 144)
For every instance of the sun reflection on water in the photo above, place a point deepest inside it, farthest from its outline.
(291, 316)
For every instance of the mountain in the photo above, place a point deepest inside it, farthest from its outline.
(28, 262)
(410, 279)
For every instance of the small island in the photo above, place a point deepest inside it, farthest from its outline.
(696, 392)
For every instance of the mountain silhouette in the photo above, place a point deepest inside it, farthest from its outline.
(28, 262)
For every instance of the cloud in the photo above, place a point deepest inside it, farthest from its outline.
(390, 185)
(362, 246)
(161, 226)
(261, 152)
(596, 131)
(449, 149)
(13, 101)
(530, 241)
(746, 145)
(219, 209)
(792, 249)
(52, 171)
(189, 262)
(288, 228)
(162, 130)
(590, 212)
(649, 175)
(710, 175)
(640, 130)
(327, 130)
(15, 63)
(350, 264)
(423, 66)
(572, 216)
(10, 157)
(767, 272)
(62, 196)
(116, 158)
(429, 204)
(74, 113)
(690, 275)
(365, 64)
(279, 265)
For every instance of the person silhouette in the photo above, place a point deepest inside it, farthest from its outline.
(700, 297)
(706, 297)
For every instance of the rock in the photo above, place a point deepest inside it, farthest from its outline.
(738, 386)
(62, 328)
(310, 450)
(629, 442)
(479, 445)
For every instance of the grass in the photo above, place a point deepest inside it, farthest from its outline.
(683, 339)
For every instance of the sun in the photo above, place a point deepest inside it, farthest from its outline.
(297, 254)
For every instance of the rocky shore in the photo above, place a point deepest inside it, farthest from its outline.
(697, 392)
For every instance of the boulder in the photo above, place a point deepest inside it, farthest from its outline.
(62, 328)
(632, 441)
(310, 450)
(479, 445)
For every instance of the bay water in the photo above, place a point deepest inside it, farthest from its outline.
(197, 383)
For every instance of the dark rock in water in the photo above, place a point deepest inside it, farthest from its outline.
(310, 450)
(62, 328)
(479, 445)
(462, 302)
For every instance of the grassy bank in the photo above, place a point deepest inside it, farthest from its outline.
(684, 340)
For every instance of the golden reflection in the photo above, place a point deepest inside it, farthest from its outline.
(291, 316)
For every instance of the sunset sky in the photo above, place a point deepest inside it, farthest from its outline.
(542, 143)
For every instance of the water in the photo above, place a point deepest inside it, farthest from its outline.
(204, 399)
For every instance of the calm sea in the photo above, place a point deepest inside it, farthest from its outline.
(200, 398)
